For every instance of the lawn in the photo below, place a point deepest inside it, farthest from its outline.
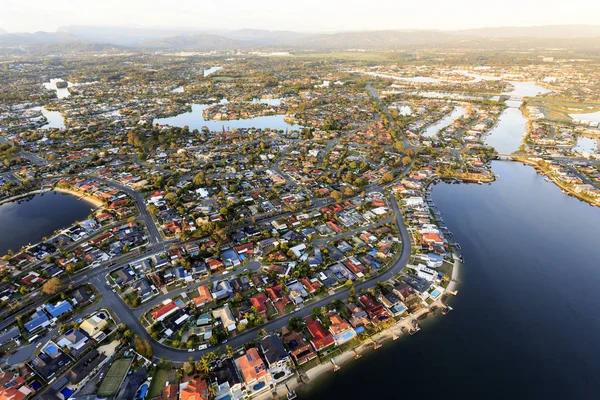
(559, 109)
(114, 377)
(161, 376)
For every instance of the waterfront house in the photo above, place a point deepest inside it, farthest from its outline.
(320, 338)
(277, 358)
(340, 329)
(254, 372)
(300, 349)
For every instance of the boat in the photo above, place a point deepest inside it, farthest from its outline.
(447, 310)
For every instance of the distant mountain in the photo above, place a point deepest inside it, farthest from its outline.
(122, 35)
(264, 37)
(549, 31)
(582, 36)
(376, 39)
(202, 42)
(37, 37)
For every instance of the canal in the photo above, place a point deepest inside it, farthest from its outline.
(31, 219)
(526, 321)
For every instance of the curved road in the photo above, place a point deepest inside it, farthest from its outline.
(130, 317)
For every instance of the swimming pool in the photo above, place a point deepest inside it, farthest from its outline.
(142, 391)
(179, 303)
(435, 293)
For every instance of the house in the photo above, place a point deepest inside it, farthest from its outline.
(204, 296)
(93, 326)
(259, 301)
(225, 376)
(222, 290)
(300, 350)
(12, 386)
(277, 358)
(38, 320)
(225, 316)
(168, 308)
(321, 339)
(375, 310)
(73, 339)
(340, 329)
(254, 372)
(196, 389)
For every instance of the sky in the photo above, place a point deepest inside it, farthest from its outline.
(302, 15)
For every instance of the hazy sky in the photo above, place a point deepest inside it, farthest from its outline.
(300, 15)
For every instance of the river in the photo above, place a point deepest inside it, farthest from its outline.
(28, 221)
(526, 320)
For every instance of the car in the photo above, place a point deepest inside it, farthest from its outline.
(95, 264)
(203, 347)
(224, 341)
(190, 350)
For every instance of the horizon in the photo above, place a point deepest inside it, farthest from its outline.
(315, 17)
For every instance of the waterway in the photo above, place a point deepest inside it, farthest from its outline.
(54, 118)
(508, 133)
(588, 145)
(526, 319)
(61, 93)
(29, 220)
(195, 120)
(432, 130)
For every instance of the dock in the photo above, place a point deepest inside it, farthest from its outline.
(336, 367)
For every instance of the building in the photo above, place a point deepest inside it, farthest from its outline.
(321, 339)
(277, 358)
(300, 350)
(225, 376)
(340, 329)
(93, 327)
(196, 389)
(254, 372)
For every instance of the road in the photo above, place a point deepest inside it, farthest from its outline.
(155, 236)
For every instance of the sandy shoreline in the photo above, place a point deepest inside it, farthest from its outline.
(96, 202)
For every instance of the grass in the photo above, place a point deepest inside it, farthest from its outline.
(114, 377)
(161, 376)
(559, 109)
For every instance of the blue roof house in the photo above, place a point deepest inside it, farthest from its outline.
(59, 308)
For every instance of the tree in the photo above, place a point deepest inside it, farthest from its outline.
(296, 323)
(229, 351)
(188, 368)
(406, 160)
(337, 196)
(199, 178)
(387, 177)
(262, 333)
(52, 286)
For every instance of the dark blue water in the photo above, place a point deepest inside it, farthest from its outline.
(30, 220)
(526, 322)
